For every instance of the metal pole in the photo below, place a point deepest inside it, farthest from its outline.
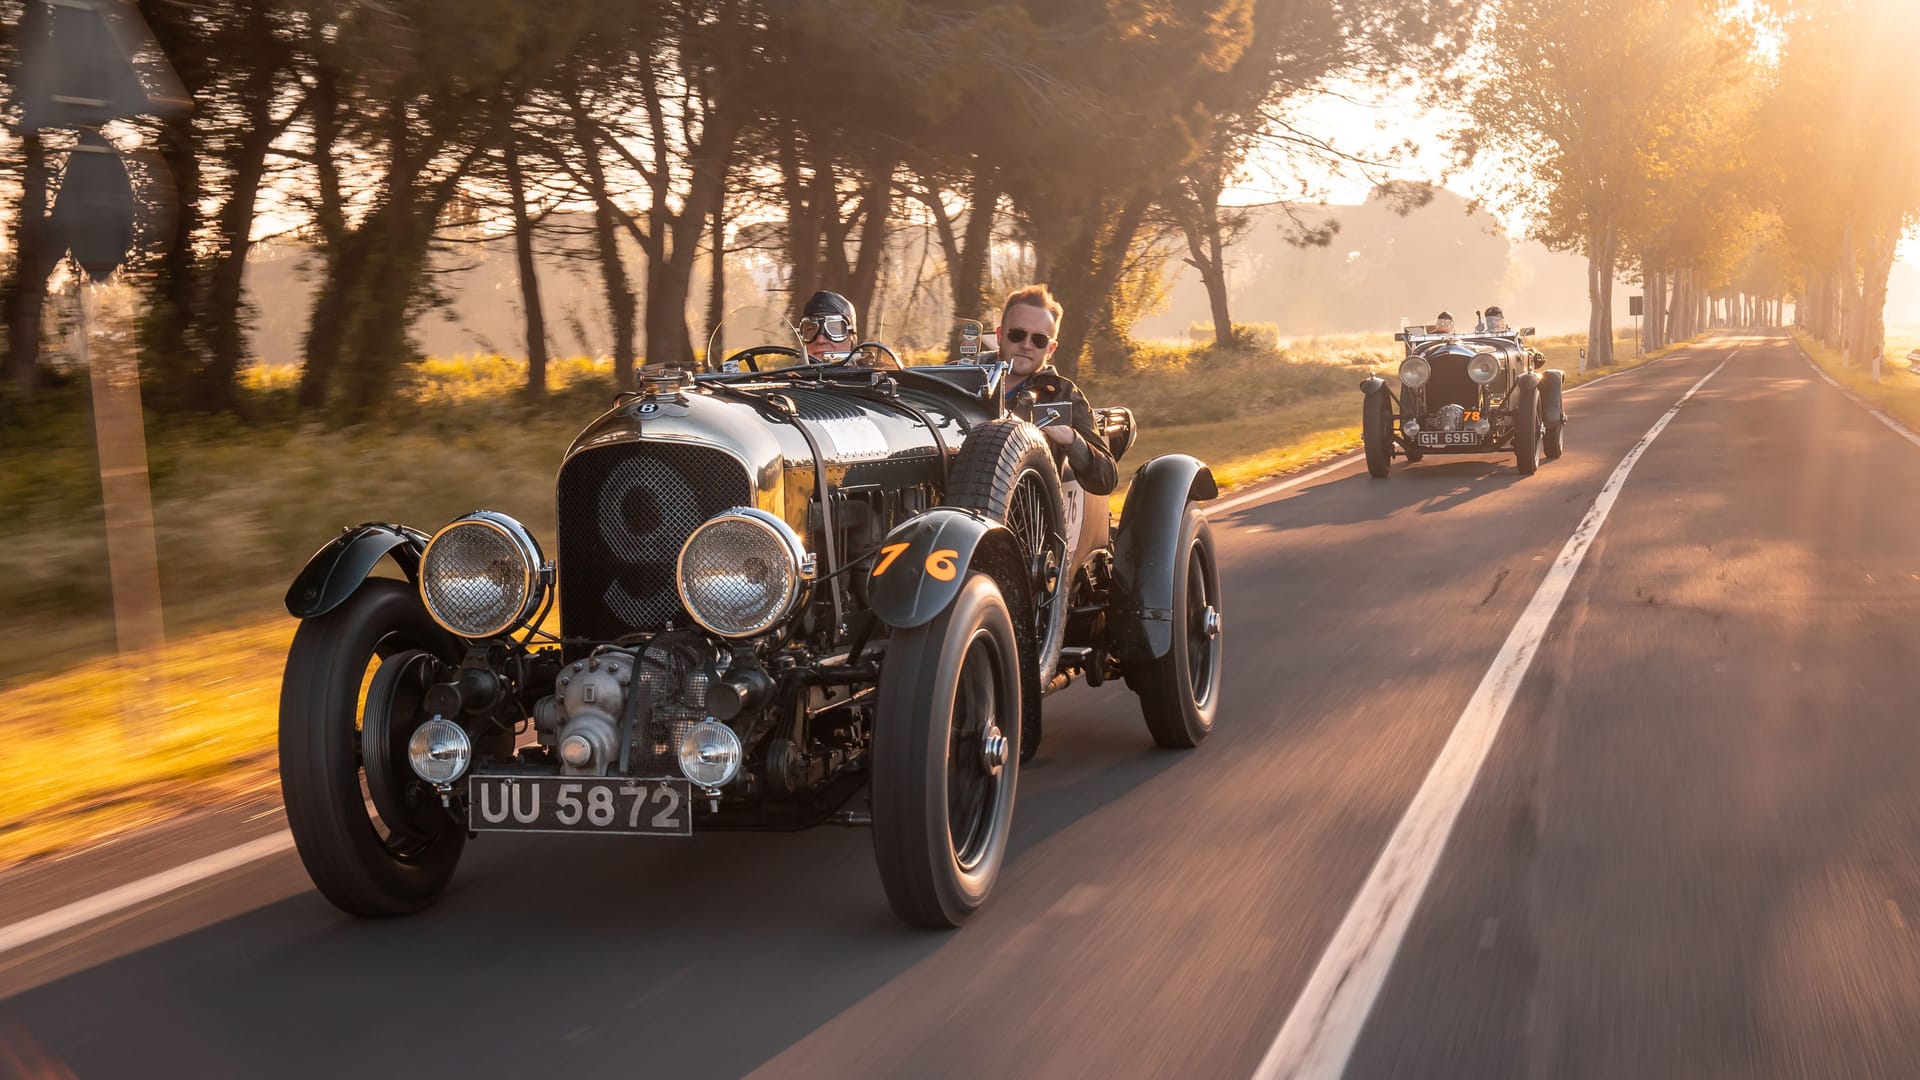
(133, 565)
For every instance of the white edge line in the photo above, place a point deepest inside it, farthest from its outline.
(1893, 425)
(1319, 1034)
(1268, 490)
(62, 919)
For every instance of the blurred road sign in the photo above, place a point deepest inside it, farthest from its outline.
(80, 71)
(93, 214)
(1636, 305)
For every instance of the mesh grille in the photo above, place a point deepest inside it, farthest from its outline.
(475, 582)
(624, 512)
(676, 691)
(738, 576)
(1450, 384)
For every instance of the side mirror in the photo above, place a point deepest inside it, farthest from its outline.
(1539, 361)
(1526, 331)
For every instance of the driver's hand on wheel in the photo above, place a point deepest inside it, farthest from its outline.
(1058, 434)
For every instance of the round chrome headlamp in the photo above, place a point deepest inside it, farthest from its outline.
(1414, 371)
(480, 576)
(710, 754)
(439, 751)
(741, 572)
(1483, 367)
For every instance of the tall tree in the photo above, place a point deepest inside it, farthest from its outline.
(1575, 104)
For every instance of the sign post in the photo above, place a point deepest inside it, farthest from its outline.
(79, 74)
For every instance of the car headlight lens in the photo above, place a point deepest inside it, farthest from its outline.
(481, 575)
(1483, 367)
(741, 572)
(439, 751)
(710, 754)
(1414, 371)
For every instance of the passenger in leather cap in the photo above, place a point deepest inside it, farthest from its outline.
(827, 324)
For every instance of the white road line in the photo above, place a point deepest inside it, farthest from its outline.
(1318, 1037)
(60, 920)
(1893, 425)
(1268, 490)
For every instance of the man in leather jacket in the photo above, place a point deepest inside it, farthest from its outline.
(1028, 336)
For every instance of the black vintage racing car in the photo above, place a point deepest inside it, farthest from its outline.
(780, 584)
(1465, 394)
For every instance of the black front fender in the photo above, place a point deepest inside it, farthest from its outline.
(923, 562)
(1146, 553)
(337, 569)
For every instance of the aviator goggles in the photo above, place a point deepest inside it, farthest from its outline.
(836, 327)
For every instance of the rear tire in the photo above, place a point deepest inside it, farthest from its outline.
(361, 863)
(1180, 692)
(1528, 432)
(1376, 432)
(943, 788)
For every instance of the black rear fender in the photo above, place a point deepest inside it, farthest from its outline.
(336, 570)
(1146, 554)
(1551, 387)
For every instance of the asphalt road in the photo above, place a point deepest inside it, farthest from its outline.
(1688, 853)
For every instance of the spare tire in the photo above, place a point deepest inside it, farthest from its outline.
(1005, 470)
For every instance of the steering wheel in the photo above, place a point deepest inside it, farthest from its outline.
(855, 351)
(746, 356)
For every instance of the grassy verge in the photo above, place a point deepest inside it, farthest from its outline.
(1897, 393)
(93, 750)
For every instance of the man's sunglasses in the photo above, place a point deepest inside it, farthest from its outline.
(835, 327)
(1017, 335)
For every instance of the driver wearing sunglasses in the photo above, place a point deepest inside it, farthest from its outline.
(826, 325)
(1028, 336)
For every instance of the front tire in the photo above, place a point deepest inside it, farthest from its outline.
(946, 758)
(1529, 432)
(362, 862)
(1376, 432)
(1180, 692)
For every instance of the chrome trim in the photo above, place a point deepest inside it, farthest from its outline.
(534, 582)
(801, 562)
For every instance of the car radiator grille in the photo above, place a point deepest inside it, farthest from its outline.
(624, 512)
(1450, 385)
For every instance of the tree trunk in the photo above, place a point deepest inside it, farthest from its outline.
(171, 361)
(1601, 249)
(25, 294)
(226, 344)
(1870, 332)
(536, 316)
(670, 278)
(878, 201)
(717, 269)
(620, 301)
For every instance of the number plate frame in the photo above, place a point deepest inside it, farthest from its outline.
(664, 805)
(1442, 439)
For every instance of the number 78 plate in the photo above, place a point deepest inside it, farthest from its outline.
(580, 804)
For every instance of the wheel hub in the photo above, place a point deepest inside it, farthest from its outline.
(1210, 621)
(993, 750)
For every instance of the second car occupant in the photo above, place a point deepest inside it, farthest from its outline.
(1443, 323)
(1496, 321)
(826, 325)
(1028, 336)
